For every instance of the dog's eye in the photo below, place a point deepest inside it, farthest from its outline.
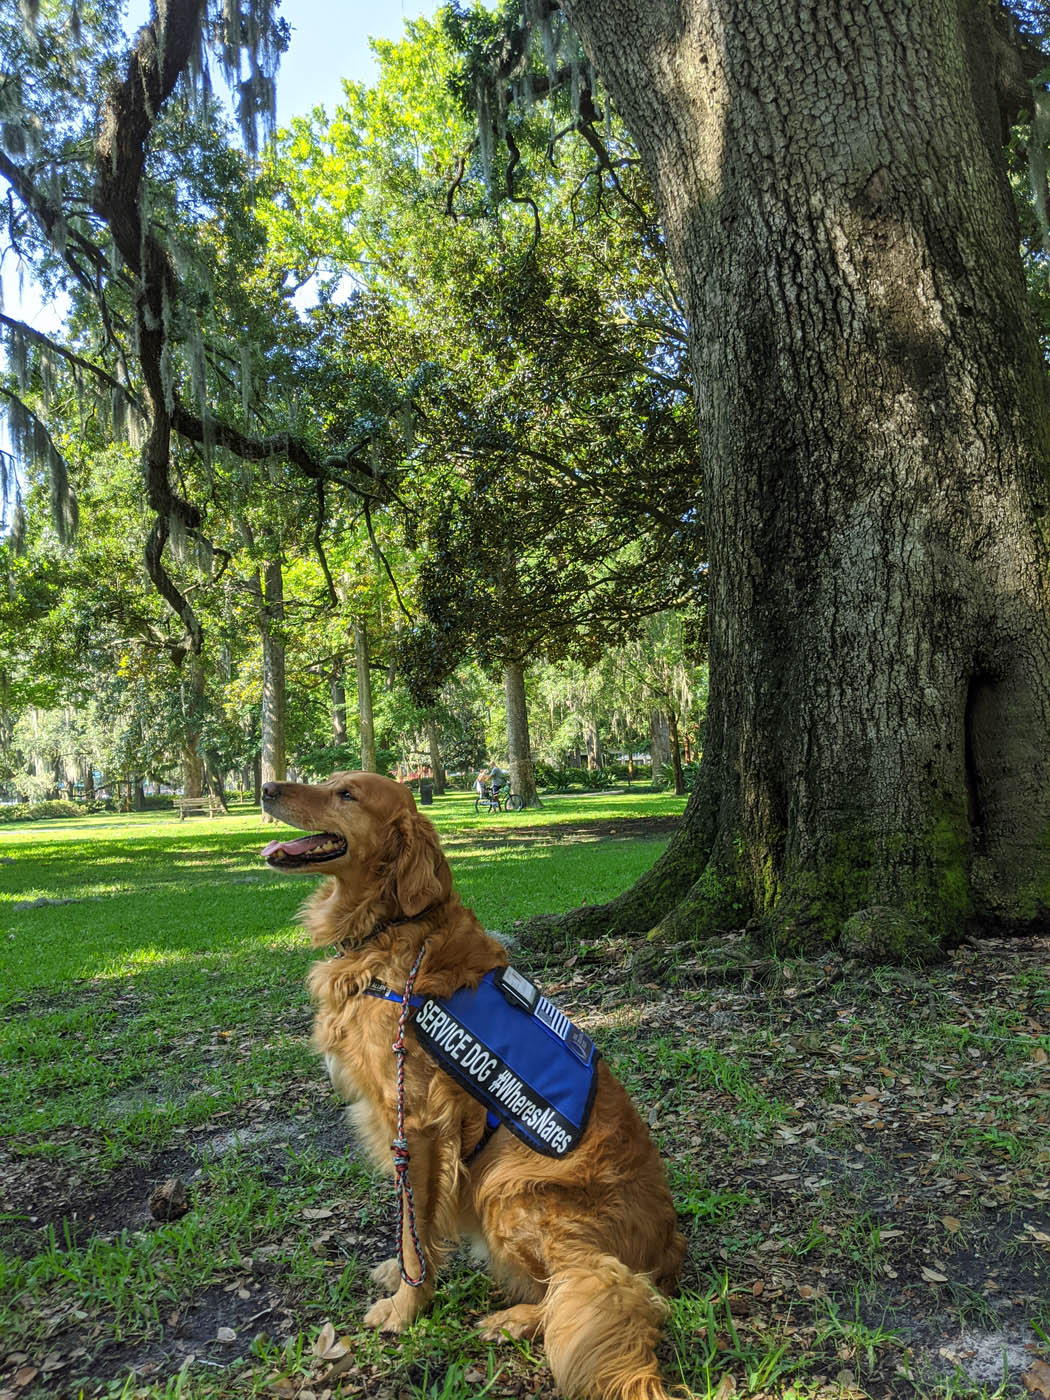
(345, 795)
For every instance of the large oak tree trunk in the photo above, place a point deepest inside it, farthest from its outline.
(875, 436)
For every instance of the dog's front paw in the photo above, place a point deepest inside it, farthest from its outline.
(387, 1274)
(387, 1316)
(523, 1320)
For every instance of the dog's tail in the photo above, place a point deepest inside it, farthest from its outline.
(600, 1325)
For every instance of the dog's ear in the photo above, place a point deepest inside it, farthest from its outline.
(417, 871)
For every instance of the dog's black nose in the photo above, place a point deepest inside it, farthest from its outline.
(271, 791)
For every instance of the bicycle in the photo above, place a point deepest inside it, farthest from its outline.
(499, 799)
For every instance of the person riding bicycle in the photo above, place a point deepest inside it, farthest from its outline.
(497, 778)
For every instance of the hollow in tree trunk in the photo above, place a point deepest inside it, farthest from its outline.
(875, 440)
(519, 753)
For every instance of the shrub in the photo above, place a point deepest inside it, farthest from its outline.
(56, 807)
(562, 779)
(315, 765)
(598, 779)
(689, 772)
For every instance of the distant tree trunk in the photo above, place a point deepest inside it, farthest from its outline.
(257, 779)
(338, 690)
(519, 754)
(362, 662)
(676, 752)
(89, 782)
(274, 696)
(192, 696)
(592, 743)
(659, 743)
(138, 797)
(434, 744)
(214, 774)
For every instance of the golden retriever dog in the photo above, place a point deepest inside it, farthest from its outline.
(584, 1244)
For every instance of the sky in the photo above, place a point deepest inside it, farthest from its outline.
(329, 42)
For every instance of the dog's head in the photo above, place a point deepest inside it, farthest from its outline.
(365, 831)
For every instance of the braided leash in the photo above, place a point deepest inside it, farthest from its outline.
(399, 1147)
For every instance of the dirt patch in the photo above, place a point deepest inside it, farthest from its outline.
(38, 1194)
(865, 1153)
(859, 1158)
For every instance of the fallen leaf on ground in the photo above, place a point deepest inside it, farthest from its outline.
(1037, 1379)
(326, 1347)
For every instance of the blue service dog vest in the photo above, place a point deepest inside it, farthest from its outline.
(515, 1052)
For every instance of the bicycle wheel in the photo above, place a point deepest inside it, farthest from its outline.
(515, 802)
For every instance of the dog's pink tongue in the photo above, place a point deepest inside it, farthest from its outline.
(298, 847)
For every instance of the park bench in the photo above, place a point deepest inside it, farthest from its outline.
(189, 805)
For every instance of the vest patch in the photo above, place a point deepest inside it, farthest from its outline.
(516, 1053)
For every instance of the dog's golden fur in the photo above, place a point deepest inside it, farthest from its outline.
(584, 1244)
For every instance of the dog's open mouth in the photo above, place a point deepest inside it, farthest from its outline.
(304, 850)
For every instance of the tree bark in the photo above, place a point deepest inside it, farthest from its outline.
(434, 744)
(274, 693)
(659, 743)
(875, 439)
(338, 692)
(192, 697)
(676, 752)
(362, 663)
(592, 743)
(213, 774)
(519, 752)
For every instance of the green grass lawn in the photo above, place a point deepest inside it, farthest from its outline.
(858, 1156)
(154, 1021)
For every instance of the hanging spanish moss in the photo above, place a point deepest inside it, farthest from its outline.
(245, 380)
(65, 513)
(177, 537)
(34, 450)
(248, 41)
(16, 535)
(30, 11)
(1038, 147)
(485, 135)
